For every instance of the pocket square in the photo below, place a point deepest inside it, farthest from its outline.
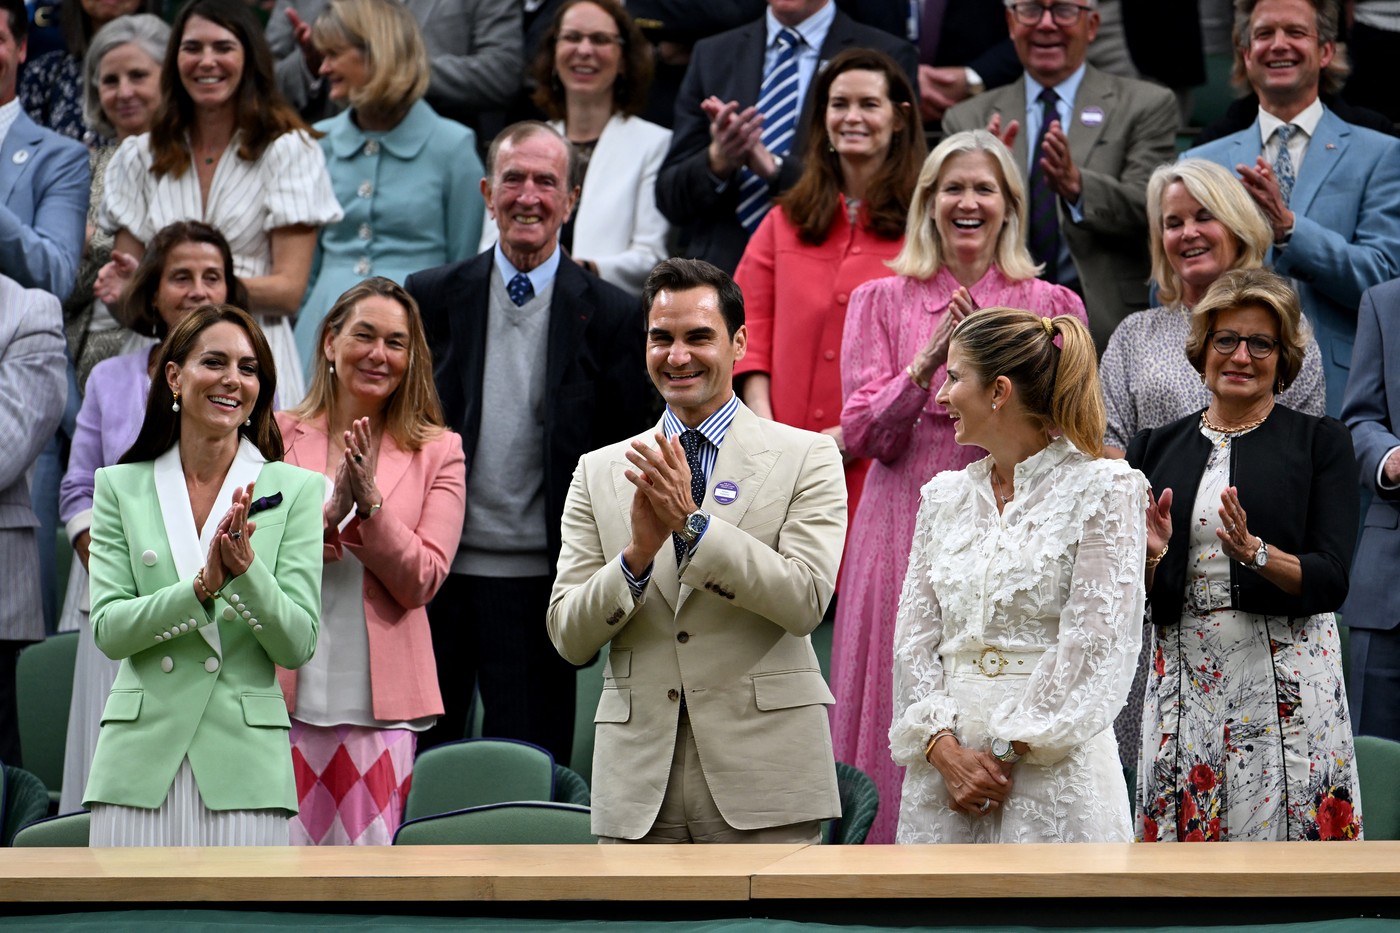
(265, 503)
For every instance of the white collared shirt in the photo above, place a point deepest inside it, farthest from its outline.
(813, 31)
(1297, 146)
(9, 113)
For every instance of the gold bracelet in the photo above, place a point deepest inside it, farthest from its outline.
(1157, 559)
(914, 378)
(199, 579)
(933, 740)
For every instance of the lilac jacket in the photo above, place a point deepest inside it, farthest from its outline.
(111, 416)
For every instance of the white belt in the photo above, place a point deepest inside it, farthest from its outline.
(991, 662)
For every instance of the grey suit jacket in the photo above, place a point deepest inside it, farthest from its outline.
(729, 631)
(34, 387)
(1115, 157)
(44, 186)
(1372, 412)
(475, 49)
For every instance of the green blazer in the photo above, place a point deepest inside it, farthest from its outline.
(197, 681)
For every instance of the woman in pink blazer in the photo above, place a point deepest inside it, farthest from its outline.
(396, 481)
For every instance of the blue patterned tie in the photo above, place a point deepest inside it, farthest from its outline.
(690, 443)
(1043, 238)
(777, 101)
(520, 289)
(1283, 163)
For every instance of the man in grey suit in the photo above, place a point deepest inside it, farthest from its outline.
(1087, 165)
(723, 127)
(474, 50)
(1330, 190)
(1372, 609)
(34, 387)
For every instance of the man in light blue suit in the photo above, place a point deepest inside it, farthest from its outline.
(1372, 609)
(44, 181)
(1330, 190)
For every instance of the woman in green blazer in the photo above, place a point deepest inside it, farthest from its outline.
(206, 572)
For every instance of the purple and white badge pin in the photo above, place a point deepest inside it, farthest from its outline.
(1091, 116)
(726, 492)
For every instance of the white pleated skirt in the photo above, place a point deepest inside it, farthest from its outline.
(183, 820)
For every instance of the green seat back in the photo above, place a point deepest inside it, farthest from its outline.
(474, 772)
(69, 831)
(570, 787)
(519, 823)
(26, 800)
(44, 684)
(860, 801)
(1378, 770)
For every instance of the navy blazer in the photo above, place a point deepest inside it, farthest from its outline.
(1372, 411)
(596, 389)
(730, 67)
(1296, 477)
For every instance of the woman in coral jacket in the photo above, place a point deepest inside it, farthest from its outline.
(837, 228)
(396, 479)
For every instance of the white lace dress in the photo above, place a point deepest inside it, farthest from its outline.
(1056, 582)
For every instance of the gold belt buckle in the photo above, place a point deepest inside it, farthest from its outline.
(998, 663)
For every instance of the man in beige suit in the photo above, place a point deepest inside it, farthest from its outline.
(712, 725)
(1087, 165)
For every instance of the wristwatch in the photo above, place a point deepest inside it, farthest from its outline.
(1002, 750)
(695, 524)
(1261, 556)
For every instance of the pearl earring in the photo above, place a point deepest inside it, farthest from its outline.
(175, 405)
(248, 423)
(331, 368)
(994, 406)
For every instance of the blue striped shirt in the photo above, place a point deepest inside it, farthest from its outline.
(712, 429)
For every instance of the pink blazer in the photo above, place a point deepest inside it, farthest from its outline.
(406, 549)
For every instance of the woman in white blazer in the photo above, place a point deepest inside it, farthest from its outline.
(592, 72)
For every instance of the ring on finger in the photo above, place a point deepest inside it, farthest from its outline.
(986, 805)
(235, 535)
(359, 459)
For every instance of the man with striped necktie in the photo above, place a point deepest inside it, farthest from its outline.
(739, 120)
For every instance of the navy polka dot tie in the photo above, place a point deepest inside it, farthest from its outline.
(690, 443)
(520, 289)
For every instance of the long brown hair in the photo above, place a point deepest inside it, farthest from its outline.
(161, 426)
(812, 203)
(413, 414)
(263, 114)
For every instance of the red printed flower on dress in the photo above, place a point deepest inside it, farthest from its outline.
(1336, 818)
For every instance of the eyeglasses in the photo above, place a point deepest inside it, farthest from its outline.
(1259, 346)
(1064, 14)
(599, 40)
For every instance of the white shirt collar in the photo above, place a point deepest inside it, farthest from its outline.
(813, 29)
(1306, 121)
(9, 113)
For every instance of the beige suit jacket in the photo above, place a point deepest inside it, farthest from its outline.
(1135, 132)
(730, 630)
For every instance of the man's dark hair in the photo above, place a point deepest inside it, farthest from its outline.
(19, 19)
(679, 275)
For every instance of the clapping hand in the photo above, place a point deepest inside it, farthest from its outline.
(361, 464)
(1235, 539)
(231, 550)
(113, 278)
(1159, 521)
(935, 352)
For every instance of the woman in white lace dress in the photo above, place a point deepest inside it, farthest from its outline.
(1019, 623)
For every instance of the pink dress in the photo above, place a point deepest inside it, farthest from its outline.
(910, 439)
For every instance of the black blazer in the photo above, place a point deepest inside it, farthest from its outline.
(730, 67)
(1296, 476)
(596, 388)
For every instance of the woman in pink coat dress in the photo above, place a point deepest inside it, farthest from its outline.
(964, 249)
(837, 228)
(372, 423)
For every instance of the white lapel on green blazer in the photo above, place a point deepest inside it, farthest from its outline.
(187, 552)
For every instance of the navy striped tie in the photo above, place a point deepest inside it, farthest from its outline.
(1044, 233)
(777, 101)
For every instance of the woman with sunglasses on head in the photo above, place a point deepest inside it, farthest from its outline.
(1246, 734)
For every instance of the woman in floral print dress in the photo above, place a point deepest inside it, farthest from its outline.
(1245, 729)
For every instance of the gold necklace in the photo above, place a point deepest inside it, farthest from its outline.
(1219, 429)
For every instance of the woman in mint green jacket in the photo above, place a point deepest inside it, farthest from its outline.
(206, 572)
